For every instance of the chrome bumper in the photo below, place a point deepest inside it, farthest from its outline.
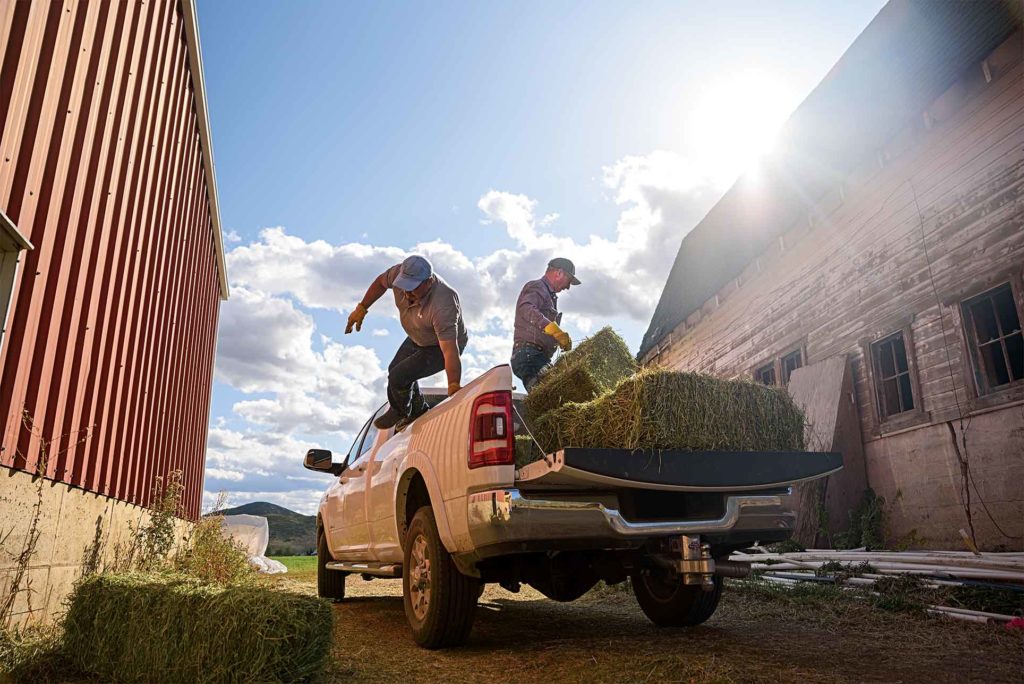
(504, 516)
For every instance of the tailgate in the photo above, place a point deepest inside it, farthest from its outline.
(675, 470)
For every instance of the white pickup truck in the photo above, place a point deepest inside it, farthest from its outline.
(442, 506)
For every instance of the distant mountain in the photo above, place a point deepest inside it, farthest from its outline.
(291, 533)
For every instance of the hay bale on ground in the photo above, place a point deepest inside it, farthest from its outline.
(594, 367)
(145, 628)
(659, 409)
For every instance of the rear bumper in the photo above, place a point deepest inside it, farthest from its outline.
(502, 520)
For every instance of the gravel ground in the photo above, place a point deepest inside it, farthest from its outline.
(755, 636)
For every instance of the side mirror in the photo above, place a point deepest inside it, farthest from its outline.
(323, 461)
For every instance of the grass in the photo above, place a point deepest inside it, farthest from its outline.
(759, 634)
(160, 628)
(659, 409)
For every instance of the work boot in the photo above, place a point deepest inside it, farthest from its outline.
(388, 420)
(419, 407)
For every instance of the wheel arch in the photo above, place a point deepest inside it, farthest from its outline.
(418, 487)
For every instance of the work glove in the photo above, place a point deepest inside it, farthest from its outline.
(356, 318)
(453, 387)
(562, 337)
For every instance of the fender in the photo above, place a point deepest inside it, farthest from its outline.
(419, 461)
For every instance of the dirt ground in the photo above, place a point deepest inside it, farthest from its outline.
(604, 637)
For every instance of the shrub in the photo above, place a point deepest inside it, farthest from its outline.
(210, 556)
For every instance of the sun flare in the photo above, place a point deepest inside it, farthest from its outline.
(736, 121)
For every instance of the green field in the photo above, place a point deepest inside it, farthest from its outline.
(298, 564)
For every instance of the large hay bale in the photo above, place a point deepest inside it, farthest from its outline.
(659, 409)
(145, 628)
(594, 367)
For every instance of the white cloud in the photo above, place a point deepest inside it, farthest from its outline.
(232, 236)
(380, 332)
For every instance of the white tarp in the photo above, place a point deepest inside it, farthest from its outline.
(253, 533)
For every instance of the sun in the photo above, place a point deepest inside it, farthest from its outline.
(735, 121)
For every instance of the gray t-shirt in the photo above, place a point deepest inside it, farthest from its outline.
(438, 316)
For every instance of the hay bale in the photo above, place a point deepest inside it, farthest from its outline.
(659, 409)
(595, 366)
(526, 451)
(146, 628)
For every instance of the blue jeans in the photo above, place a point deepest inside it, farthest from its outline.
(412, 363)
(528, 363)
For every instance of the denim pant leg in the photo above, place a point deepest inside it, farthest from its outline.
(411, 363)
(527, 364)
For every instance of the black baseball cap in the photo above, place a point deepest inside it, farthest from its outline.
(567, 266)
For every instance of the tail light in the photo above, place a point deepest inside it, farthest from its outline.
(490, 434)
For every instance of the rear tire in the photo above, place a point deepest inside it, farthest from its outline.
(667, 602)
(440, 602)
(330, 584)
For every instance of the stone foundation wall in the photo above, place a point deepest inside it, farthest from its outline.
(76, 531)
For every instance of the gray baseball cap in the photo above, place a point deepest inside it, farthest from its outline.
(414, 271)
(567, 266)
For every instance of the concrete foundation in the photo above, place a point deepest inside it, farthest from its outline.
(75, 532)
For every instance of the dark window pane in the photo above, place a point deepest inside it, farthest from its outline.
(906, 395)
(900, 349)
(1015, 350)
(790, 363)
(885, 360)
(890, 398)
(994, 364)
(766, 375)
(1006, 310)
(984, 320)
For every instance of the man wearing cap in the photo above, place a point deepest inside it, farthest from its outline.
(432, 318)
(536, 333)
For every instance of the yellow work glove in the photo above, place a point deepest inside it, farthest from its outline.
(356, 319)
(453, 387)
(562, 337)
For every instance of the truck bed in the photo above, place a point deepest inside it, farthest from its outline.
(674, 469)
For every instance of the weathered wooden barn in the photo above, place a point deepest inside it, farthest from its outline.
(885, 236)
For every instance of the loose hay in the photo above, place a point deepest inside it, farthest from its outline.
(594, 367)
(659, 409)
(145, 628)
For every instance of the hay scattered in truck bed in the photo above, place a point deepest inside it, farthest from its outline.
(594, 367)
(659, 409)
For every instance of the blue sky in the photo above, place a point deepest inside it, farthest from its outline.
(489, 136)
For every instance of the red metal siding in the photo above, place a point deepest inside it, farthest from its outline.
(109, 355)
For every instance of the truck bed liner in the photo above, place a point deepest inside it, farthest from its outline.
(675, 470)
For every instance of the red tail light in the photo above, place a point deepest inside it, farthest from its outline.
(490, 433)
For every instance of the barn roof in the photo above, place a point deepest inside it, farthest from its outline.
(909, 54)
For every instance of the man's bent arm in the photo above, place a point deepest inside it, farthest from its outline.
(452, 361)
(376, 290)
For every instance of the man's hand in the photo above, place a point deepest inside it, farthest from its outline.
(453, 387)
(562, 337)
(356, 318)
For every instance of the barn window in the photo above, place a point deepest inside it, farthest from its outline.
(892, 375)
(12, 243)
(994, 334)
(790, 362)
(766, 374)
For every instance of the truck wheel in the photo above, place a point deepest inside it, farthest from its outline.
(667, 602)
(330, 584)
(440, 602)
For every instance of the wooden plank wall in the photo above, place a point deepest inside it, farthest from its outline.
(105, 375)
(932, 219)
